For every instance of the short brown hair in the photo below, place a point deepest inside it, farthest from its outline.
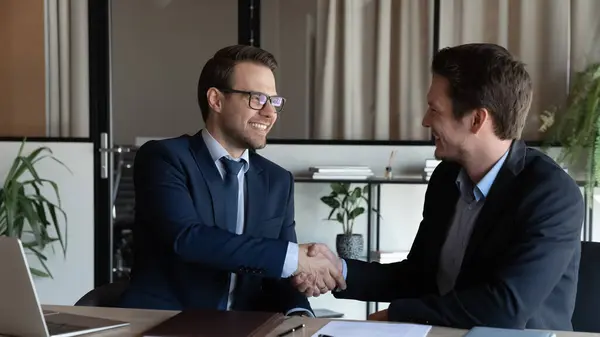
(218, 70)
(483, 75)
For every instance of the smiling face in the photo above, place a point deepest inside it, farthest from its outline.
(241, 126)
(451, 135)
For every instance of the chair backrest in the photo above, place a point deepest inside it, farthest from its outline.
(587, 305)
(107, 295)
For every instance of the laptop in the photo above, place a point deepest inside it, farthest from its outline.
(20, 311)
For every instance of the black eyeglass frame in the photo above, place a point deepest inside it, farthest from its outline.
(251, 93)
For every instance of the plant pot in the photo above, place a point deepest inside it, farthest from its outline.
(349, 246)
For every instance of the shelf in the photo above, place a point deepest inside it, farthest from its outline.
(378, 180)
(375, 180)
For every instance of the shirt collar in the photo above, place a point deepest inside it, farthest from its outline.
(481, 190)
(217, 151)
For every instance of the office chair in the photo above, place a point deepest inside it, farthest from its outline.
(587, 303)
(107, 295)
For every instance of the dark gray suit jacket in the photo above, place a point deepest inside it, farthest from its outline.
(521, 265)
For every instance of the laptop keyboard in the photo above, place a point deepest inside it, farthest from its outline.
(58, 328)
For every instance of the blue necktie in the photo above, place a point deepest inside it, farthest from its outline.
(231, 193)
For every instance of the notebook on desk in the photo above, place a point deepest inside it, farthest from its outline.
(497, 332)
(205, 323)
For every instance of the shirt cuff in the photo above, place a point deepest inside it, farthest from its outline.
(344, 274)
(310, 314)
(290, 265)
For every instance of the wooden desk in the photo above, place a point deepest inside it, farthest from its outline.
(142, 320)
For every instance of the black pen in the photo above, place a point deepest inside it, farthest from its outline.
(291, 330)
(322, 335)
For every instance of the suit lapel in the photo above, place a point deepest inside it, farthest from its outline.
(497, 198)
(210, 173)
(257, 187)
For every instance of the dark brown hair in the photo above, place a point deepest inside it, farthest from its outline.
(217, 71)
(483, 75)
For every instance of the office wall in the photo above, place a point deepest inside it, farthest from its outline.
(22, 68)
(73, 275)
(158, 50)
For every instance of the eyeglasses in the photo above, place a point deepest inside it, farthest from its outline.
(257, 100)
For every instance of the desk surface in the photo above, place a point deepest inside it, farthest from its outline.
(142, 320)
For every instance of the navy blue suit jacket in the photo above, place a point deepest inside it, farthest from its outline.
(182, 260)
(521, 264)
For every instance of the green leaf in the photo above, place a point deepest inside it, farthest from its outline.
(36, 182)
(15, 165)
(42, 258)
(26, 213)
(344, 204)
(331, 213)
(356, 212)
(577, 124)
(338, 188)
(38, 273)
(33, 220)
(340, 218)
(357, 192)
(346, 187)
(52, 211)
(331, 201)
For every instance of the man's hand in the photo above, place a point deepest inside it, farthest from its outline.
(319, 270)
(379, 316)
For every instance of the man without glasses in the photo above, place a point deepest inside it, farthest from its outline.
(214, 221)
(499, 243)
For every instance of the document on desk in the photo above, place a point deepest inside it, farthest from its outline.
(382, 329)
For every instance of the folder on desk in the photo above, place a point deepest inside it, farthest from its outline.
(201, 323)
(498, 332)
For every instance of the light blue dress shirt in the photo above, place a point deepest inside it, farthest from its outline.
(217, 151)
(481, 190)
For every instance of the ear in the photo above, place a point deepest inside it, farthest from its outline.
(214, 98)
(478, 119)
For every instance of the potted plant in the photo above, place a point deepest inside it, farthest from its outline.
(26, 213)
(576, 126)
(347, 204)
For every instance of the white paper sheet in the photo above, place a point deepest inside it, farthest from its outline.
(368, 329)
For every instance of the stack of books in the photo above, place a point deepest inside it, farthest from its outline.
(430, 165)
(341, 172)
(388, 256)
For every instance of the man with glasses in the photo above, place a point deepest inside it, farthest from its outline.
(214, 221)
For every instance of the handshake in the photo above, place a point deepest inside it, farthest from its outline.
(319, 270)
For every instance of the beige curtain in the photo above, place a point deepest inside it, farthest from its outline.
(67, 83)
(371, 71)
(552, 37)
